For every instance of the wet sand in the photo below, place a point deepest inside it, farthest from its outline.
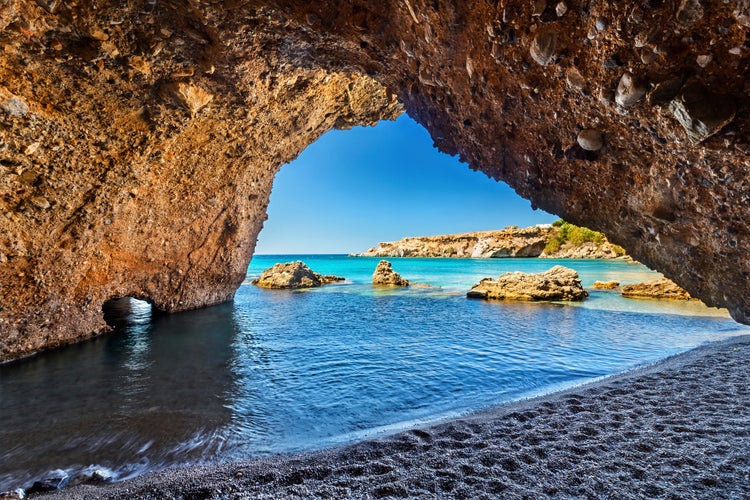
(677, 429)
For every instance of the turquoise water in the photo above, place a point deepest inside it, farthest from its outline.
(282, 371)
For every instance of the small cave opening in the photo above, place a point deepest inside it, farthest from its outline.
(124, 311)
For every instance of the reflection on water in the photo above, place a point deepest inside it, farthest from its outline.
(131, 401)
(279, 371)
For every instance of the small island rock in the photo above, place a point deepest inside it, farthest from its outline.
(558, 283)
(606, 285)
(292, 275)
(385, 275)
(662, 288)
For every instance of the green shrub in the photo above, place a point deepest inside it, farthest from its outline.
(553, 245)
(570, 233)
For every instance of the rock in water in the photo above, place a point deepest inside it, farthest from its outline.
(606, 285)
(51, 481)
(384, 275)
(292, 275)
(559, 283)
(656, 289)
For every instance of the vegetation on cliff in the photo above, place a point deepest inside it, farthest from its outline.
(567, 234)
(561, 240)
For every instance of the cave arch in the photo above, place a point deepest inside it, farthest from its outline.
(154, 174)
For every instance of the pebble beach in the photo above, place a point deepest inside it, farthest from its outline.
(679, 428)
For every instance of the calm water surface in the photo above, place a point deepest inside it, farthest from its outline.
(284, 371)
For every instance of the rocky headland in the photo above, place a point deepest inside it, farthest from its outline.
(545, 241)
(293, 275)
(558, 283)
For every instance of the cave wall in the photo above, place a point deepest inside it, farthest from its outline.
(139, 140)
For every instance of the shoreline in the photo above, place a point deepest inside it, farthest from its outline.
(678, 426)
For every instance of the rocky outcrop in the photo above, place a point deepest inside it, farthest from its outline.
(558, 283)
(606, 285)
(139, 140)
(511, 242)
(586, 250)
(293, 275)
(384, 275)
(662, 288)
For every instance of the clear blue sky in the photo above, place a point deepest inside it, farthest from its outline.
(354, 188)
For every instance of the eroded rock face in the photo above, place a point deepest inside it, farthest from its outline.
(293, 275)
(558, 283)
(139, 140)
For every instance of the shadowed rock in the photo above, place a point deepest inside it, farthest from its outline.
(701, 112)
(293, 275)
(559, 283)
(384, 275)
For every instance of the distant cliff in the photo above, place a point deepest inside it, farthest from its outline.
(561, 240)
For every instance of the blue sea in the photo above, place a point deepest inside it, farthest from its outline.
(281, 371)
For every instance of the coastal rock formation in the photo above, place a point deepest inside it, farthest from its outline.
(558, 283)
(384, 275)
(139, 140)
(292, 275)
(586, 250)
(511, 242)
(606, 285)
(662, 288)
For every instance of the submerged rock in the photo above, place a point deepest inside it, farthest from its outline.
(662, 288)
(51, 481)
(606, 285)
(384, 275)
(558, 283)
(293, 275)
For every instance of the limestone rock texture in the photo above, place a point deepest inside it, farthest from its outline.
(293, 275)
(662, 288)
(384, 275)
(558, 283)
(526, 242)
(509, 242)
(139, 140)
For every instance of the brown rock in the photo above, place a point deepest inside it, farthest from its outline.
(292, 275)
(662, 288)
(384, 275)
(286, 72)
(558, 283)
(543, 46)
(630, 90)
(606, 285)
(590, 139)
(701, 112)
